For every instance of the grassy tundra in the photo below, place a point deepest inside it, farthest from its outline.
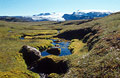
(95, 47)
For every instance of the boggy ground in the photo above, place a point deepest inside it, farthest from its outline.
(95, 47)
(13, 35)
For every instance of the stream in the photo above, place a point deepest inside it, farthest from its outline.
(63, 45)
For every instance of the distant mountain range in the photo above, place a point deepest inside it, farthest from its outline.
(78, 15)
(16, 18)
(86, 15)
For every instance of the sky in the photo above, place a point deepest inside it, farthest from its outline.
(32, 7)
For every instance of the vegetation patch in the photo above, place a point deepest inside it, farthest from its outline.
(77, 46)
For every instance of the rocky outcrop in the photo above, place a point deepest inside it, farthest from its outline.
(30, 54)
(54, 50)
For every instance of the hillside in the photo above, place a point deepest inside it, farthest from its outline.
(94, 44)
(103, 42)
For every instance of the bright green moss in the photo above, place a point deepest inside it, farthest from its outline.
(18, 74)
(42, 32)
(76, 45)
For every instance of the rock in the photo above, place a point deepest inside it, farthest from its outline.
(43, 75)
(57, 41)
(30, 54)
(54, 51)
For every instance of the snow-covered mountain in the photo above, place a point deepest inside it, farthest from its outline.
(48, 17)
(86, 14)
(94, 11)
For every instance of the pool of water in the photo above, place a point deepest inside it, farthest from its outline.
(62, 45)
(22, 38)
